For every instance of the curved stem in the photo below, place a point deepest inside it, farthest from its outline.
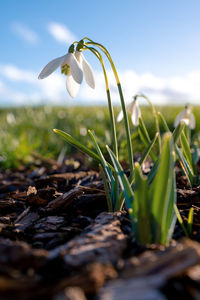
(110, 106)
(126, 122)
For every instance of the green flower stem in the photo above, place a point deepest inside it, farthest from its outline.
(110, 106)
(126, 122)
(127, 127)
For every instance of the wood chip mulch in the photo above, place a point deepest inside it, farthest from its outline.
(58, 242)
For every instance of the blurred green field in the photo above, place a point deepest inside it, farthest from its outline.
(28, 130)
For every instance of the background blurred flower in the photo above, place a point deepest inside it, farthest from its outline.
(187, 116)
(134, 110)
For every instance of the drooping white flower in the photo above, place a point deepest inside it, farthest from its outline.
(187, 116)
(134, 110)
(74, 66)
(86, 68)
(70, 67)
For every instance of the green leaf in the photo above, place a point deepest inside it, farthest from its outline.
(148, 149)
(171, 216)
(163, 122)
(186, 151)
(144, 136)
(100, 155)
(124, 183)
(180, 219)
(141, 206)
(108, 172)
(160, 190)
(185, 166)
(153, 171)
(177, 131)
(190, 220)
(77, 144)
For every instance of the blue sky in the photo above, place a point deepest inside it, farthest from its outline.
(154, 44)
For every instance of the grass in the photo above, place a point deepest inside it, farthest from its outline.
(27, 130)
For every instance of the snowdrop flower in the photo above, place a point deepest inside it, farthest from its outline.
(187, 116)
(86, 68)
(135, 111)
(69, 67)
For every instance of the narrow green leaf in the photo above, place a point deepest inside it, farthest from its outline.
(77, 144)
(111, 179)
(171, 216)
(100, 154)
(141, 206)
(144, 136)
(186, 150)
(185, 166)
(119, 202)
(190, 220)
(180, 219)
(124, 183)
(177, 131)
(153, 171)
(163, 122)
(144, 131)
(148, 149)
(160, 189)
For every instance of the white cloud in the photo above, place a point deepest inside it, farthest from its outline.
(61, 33)
(15, 74)
(172, 90)
(25, 33)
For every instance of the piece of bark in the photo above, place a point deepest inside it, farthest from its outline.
(29, 287)
(102, 242)
(71, 293)
(90, 278)
(26, 221)
(142, 288)
(92, 202)
(18, 289)
(169, 262)
(194, 273)
(64, 178)
(186, 197)
(40, 197)
(20, 255)
(8, 205)
(50, 223)
(5, 220)
(143, 276)
(63, 201)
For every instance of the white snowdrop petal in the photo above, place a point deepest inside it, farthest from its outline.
(179, 117)
(51, 67)
(78, 56)
(138, 115)
(76, 71)
(192, 121)
(135, 113)
(135, 117)
(120, 116)
(72, 86)
(88, 72)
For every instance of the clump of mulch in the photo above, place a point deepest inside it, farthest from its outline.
(58, 242)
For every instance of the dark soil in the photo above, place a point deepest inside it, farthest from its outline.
(58, 242)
